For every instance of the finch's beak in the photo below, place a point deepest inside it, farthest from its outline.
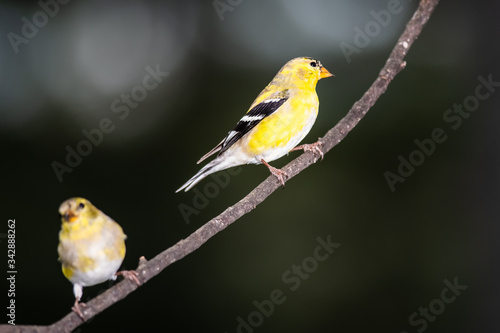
(69, 216)
(324, 73)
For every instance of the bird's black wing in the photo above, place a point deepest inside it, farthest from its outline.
(251, 119)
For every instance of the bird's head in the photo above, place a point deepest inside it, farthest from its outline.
(303, 70)
(73, 209)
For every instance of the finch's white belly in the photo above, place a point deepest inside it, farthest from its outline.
(276, 152)
(104, 271)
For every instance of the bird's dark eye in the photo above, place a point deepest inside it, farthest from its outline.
(313, 64)
(81, 205)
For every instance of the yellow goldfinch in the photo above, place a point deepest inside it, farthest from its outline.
(278, 119)
(91, 247)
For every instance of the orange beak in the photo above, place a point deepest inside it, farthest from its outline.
(324, 73)
(69, 216)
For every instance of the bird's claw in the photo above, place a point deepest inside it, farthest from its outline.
(314, 148)
(130, 275)
(278, 173)
(76, 308)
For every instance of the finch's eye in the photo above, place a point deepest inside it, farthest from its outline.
(313, 64)
(81, 205)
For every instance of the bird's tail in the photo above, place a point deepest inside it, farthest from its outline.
(208, 169)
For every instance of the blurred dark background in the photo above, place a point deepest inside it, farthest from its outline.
(397, 247)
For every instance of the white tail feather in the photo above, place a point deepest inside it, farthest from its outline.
(205, 171)
(220, 163)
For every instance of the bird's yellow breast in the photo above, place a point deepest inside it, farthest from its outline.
(286, 126)
(86, 246)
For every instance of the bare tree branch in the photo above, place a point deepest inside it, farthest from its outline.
(149, 269)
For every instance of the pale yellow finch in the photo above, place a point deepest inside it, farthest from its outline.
(91, 247)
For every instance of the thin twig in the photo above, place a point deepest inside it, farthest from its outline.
(149, 269)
